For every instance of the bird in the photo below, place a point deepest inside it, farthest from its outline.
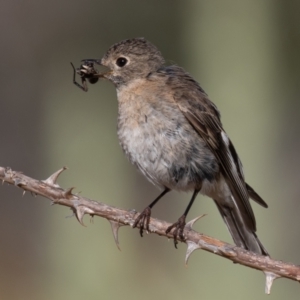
(172, 132)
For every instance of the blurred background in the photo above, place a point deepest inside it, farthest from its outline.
(245, 54)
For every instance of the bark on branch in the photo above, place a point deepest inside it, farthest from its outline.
(118, 217)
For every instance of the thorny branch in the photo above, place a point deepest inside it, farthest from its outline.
(117, 217)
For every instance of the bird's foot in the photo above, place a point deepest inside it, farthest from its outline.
(178, 230)
(143, 220)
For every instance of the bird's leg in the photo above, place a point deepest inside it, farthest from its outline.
(180, 224)
(144, 217)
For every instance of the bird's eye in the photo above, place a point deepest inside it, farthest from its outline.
(121, 62)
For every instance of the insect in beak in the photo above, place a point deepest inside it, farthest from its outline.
(87, 72)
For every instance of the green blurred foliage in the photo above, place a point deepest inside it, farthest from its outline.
(245, 54)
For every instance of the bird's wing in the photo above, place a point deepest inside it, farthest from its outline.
(255, 197)
(205, 118)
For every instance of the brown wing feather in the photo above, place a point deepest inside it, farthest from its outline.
(255, 197)
(225, 154)
(205, 118)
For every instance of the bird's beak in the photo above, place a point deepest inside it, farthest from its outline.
(106, 70)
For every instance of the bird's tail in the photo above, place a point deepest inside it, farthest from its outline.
(243, 237)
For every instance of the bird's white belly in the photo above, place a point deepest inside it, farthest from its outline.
(167, 151)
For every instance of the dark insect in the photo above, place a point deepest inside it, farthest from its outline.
(86, 72)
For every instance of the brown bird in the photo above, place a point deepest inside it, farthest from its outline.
(172, 132)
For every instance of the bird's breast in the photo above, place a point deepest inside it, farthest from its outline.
(158, 139)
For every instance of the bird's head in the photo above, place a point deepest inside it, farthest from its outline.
(130, 59)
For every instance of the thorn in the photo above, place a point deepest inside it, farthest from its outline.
(191, 247)
(68, 193)
(80, 211)
(53, 178)
(270, 277)
(8, 172)
(23, 193)
(115, 226)
(92, 219)
(18, 182)
(189, 225)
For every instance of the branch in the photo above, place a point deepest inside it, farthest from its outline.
(117, 217)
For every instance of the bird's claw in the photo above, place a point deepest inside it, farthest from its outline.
(143, 220)
(178, 230)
